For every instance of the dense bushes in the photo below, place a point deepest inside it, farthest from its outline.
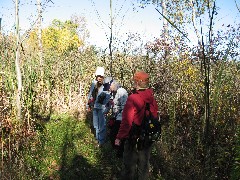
(190, 146)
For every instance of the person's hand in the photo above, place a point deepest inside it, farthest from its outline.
(90, 104)
(91, 101)
(111, 102)
(117, 142)
(89, 109)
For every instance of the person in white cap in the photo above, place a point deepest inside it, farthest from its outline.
(97, 101)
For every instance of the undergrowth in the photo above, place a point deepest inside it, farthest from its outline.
(65, 148)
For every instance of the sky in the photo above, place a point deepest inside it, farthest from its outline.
(128, 18)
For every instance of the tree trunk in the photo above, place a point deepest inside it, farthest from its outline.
(17, 64)
(0, 24)
(40, 39)
(194, 22)
(165, 28)
(110, 39)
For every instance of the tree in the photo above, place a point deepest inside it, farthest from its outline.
(60, 37)
(40, 38)
(17, 64)
(81, 29)
(180, 13)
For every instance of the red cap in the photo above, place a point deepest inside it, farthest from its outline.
(141, 76)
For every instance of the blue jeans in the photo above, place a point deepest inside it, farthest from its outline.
(99, 124)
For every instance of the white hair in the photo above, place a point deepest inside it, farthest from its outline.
(116, 84)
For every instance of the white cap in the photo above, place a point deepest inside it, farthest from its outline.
(99, 71)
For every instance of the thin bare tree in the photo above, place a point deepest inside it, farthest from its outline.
(40, 50)
(111, 37)
(17, 64)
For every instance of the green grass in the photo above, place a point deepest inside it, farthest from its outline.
(65, 149)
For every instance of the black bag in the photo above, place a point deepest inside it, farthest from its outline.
(151, 126)
(148, 132)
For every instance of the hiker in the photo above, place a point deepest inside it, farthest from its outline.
(106, 92)
(120, 96)
(132, 116)
(97, 99)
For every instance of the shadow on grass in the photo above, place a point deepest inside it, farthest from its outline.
(75, 166)
(109, 165)
(79, 169)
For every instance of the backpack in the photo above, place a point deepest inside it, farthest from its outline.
(151, 127)
(148, 132)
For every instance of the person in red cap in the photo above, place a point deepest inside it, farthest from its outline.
(133, 114)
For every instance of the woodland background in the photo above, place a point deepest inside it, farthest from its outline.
(45, 76)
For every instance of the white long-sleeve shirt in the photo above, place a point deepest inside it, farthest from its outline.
(119, 101)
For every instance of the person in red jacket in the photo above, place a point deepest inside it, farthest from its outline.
(133, 114)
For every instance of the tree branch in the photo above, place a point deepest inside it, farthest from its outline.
(237, 5)
(170, 22)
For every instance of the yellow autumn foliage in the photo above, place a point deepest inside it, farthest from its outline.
(56, 39)
(184, 69)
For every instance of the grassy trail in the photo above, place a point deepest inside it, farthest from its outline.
(66, 149)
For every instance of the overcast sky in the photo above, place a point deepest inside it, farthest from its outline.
(144, 21)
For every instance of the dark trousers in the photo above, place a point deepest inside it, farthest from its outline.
(135, 162)
(113, 134)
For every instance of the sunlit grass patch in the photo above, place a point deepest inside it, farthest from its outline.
(63, 139)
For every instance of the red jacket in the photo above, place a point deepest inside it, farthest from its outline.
(134, 110)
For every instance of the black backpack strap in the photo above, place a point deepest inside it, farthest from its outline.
(147, 108)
